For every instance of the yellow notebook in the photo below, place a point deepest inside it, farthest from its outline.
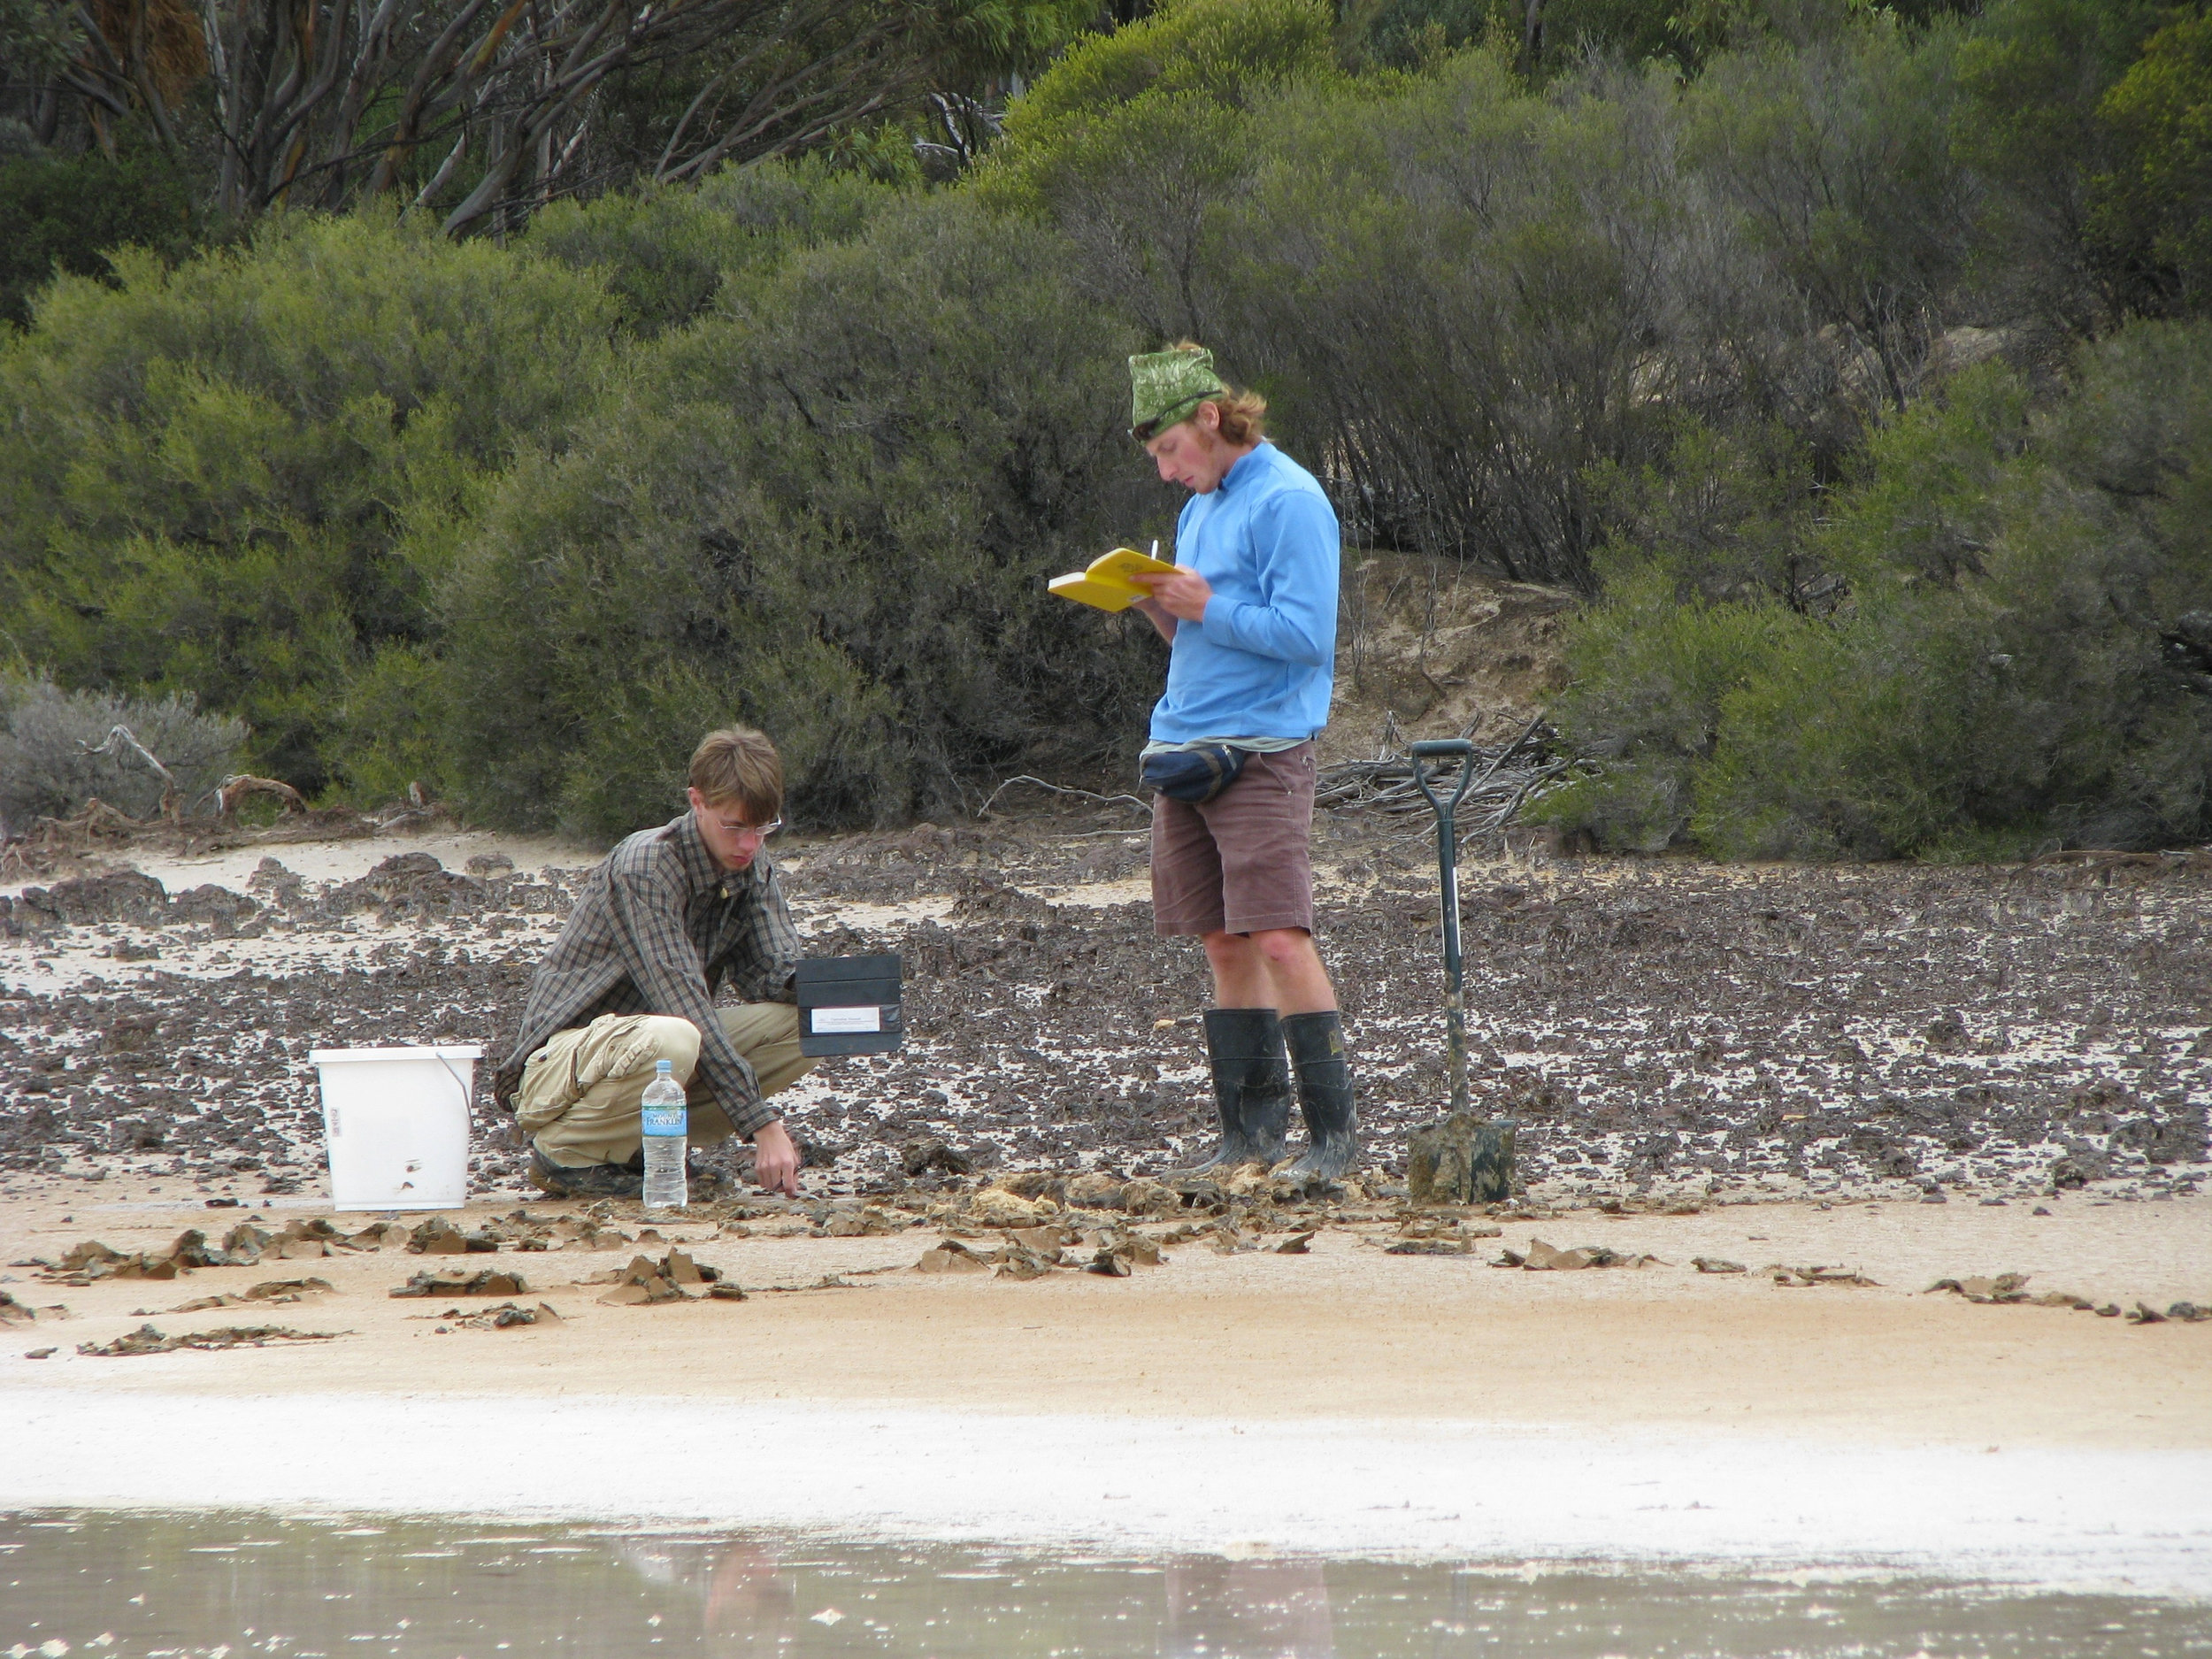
(1105, 582)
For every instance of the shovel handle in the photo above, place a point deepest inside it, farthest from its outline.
(1458, 748)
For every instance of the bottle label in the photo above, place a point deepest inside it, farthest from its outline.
(663, 1120)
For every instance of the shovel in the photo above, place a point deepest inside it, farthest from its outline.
(1447, 872)
(1459, 1160)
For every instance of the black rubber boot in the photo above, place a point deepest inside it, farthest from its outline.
(1325, 1095)
(1251, 1087)
(589, 1180)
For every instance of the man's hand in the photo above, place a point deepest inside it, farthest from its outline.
(1183, 595)
(775, 1159)
(1156, 613)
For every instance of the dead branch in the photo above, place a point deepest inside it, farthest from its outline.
(172, 803)
(238, 786)
(1105, 800)
(1506, 776)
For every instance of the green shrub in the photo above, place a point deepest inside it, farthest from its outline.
(2151, 212)
(1722, 517)
(828, 509)
(210, 470)
(66, 214)
(2033, 75)
(1650, 670)
(663, 253)
(1231, 52)
(1925, 496)
(2025, 658)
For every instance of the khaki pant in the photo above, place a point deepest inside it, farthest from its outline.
(578, 1097)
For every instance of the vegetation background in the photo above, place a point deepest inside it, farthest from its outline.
(531, 396)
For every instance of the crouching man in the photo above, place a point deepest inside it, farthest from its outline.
(670, 917)
(1250, 622)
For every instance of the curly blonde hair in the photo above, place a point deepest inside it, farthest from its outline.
(1243, 412)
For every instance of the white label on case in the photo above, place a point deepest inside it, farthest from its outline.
(827, 1019)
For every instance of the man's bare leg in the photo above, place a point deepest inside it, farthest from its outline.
(1275, 968)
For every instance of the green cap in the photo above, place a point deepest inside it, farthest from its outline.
(1165, 387)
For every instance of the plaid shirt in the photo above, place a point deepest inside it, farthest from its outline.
(658, 929)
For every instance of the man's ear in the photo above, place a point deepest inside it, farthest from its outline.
(1208, 417)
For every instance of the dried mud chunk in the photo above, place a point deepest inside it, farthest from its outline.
(1717, 1265)
(647, 1281)
(452, 1281)
(440, 1237)
(949, 1256)
(2000, 1288)
(245, 1244)
(506, 1317)
(928, 1155)
(1145, 1197)
(1544, 1258)
(14, 1312)
(1031, 1184)
(1022, 1263)
(269, 1290)
(1097, 1191)
(995, 1207)
(1798, 1278)
(146, 1340)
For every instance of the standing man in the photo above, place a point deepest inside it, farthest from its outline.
(669, 917)
(1250, 619)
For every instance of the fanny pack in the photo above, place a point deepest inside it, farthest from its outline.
(1193, 775)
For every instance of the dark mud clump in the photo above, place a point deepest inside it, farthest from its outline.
(1656, 1027)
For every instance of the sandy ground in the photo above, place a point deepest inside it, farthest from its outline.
(1345, 1330)
(1345, 1401)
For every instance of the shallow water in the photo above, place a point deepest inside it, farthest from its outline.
(232, 1585)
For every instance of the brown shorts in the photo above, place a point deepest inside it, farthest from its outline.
(1240, 862)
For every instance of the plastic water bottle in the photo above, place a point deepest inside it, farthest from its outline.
(667, 1127)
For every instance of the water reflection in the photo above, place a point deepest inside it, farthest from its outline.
(175, 1586)
(750, 1603)
(1247, 1609)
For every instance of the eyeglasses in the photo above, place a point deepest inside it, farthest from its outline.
(758, 831)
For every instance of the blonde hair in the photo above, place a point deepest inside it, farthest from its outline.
(1243, 412)
(738, 764)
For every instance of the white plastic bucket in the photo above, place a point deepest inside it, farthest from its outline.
(396, 1123)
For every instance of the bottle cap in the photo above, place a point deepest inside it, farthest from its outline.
(663, 1066)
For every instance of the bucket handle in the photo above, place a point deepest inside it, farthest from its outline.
(459, 1082)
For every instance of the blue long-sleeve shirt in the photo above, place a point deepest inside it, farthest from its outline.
(1263, 662)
